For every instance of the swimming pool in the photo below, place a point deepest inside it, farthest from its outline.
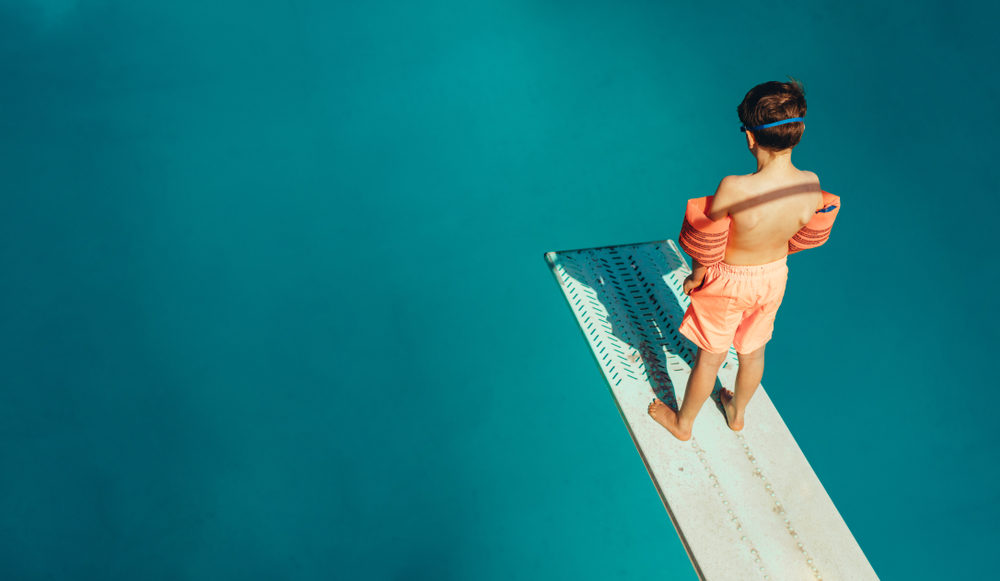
(275, 305)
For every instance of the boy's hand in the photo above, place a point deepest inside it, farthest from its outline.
(691, 282)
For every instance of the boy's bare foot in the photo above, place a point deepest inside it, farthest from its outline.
(667, 418)
(734, 420)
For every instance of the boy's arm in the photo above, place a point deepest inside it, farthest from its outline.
(719, 210)
(696, 277)
(817, 231)
(723, 198)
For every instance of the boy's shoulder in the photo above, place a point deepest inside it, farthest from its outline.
(751, 181)
(735, 189)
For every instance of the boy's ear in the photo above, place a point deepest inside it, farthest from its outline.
(750, 140)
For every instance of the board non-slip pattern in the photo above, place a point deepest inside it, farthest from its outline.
(746, 505)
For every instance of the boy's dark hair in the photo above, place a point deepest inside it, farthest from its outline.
(774, 101)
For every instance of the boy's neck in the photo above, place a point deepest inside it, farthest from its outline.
(773, 159)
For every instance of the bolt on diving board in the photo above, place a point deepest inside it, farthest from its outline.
(746, 504)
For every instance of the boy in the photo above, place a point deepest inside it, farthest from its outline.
(738, 241)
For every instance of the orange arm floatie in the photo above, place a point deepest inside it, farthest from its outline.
(701, 237)
(817, 231)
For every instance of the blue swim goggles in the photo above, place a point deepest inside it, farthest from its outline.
(766, 125)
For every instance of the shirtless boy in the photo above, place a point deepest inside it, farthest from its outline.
(733, 302)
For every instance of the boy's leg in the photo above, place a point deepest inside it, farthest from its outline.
(699, 387)
(748, 378)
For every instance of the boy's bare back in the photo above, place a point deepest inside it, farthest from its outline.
(767, 209)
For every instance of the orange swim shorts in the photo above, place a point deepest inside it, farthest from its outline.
(735, 305)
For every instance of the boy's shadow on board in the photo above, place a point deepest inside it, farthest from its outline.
(630, 283)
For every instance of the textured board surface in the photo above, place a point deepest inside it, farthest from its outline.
(746, 505)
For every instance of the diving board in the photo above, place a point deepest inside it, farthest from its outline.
(746, 505)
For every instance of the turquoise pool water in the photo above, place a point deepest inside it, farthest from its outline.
(274, 304)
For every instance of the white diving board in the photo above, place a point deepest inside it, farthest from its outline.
(746, 505)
